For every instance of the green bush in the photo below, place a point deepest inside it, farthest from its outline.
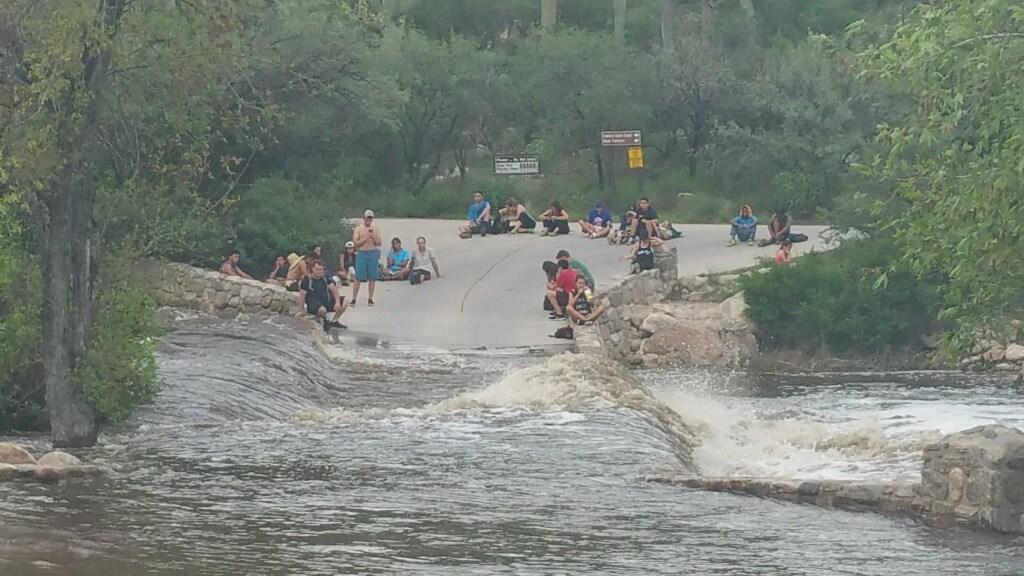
(119, 371)
(844, 301)
(21, 391)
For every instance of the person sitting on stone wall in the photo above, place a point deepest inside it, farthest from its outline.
(583, 307)
(297, 270)
(319, 295)
(279, 273)
(398, 262)
(642, 256)
(230, 266)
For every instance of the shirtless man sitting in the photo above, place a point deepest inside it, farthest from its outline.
(230, 266)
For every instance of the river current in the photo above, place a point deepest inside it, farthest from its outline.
(260, 457)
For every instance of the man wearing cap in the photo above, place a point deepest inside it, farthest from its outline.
(366, 239)
(598, 223)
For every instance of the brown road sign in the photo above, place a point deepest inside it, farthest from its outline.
(621, 138)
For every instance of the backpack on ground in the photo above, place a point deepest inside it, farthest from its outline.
(565, 333)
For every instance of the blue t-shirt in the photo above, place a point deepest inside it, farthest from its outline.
(603, 214)
(745, 221)
(477, 209)
(398, 259)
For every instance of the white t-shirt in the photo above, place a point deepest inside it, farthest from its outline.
(421, 260)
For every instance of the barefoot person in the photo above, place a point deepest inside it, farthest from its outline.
(230, 266)
(517, 217)
(598, 223)
(583, 307)
(423, 263)
(366, 238)
(744, 227)
(318, 295)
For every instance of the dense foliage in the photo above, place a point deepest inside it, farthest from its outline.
(194, 127)
(850, 300)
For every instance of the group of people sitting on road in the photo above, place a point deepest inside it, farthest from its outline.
(318, 289)
(639, 226)
(744, 229)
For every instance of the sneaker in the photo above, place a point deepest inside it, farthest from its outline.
(732, 242)
(339, 325)
(750, 242)
(327, 325)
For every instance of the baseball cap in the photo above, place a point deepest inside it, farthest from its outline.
(368, 214)
(350, 244)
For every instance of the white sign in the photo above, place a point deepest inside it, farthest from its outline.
(621, 138)
(513, 165)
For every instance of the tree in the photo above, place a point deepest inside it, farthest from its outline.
(958, 161)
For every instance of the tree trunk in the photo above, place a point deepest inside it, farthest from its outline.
(619, 8)
(668, 25)
(548, 14)
(67, 312)
(600, 167)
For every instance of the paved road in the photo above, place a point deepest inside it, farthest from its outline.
(491, 289)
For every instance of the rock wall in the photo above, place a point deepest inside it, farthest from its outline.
(183, 286)
(991, 354)
(657, 319)
(973, 478)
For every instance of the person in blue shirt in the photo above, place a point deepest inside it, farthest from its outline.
(744, 227)
(398, 262)
(598, 223)
(479, 217)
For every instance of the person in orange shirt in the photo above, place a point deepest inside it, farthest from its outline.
(784, 255)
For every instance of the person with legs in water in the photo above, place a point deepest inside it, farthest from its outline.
(744, 227)
(367, 240)
(583, 307)
(555, 220)
(318, 295)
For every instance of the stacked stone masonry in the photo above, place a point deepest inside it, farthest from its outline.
(973, 479)
(183, 286)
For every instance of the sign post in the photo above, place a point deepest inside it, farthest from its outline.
(508, 165)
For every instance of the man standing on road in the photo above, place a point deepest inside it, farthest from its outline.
(578, 266)
(366, 237)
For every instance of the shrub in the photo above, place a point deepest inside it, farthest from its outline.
(849, 300)
(119, 371)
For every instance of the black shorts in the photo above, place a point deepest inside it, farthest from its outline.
(313, 306)
(562, 298)
(557, 226)
(527, 222)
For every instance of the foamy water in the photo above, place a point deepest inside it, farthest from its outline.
(261, 458)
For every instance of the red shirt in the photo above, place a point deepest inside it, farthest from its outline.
(566, 280)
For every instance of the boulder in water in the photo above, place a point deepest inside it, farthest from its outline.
(14, 454)
(976, 477)
(59, 459)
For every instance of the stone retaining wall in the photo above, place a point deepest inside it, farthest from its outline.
(184, 286)
(973, 478)
(657, 319)
(991, 354)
